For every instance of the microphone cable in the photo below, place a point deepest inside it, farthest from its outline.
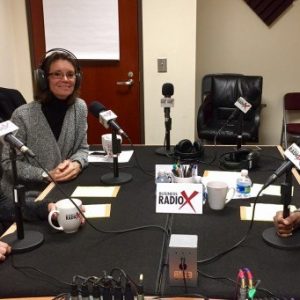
(90, 224)
(59, 281)
(230, 118)
(138, 164)
(265, 291)
(241, 241)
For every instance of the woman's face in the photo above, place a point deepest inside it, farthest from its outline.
(61, 78)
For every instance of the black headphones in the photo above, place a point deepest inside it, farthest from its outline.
(41, 77)
(186, 150)
(239, 159)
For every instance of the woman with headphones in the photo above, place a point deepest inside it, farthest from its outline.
(54, 127)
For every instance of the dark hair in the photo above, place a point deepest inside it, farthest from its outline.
(45, 95)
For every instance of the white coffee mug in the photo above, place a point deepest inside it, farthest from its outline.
(107, 143)
(68, 216)
(219, 194)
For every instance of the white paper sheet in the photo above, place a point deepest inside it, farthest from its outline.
(96, 191)
(89, 28)
(123, 157)
(263, 211)
(97, 210)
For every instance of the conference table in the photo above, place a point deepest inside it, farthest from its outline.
(134, 240)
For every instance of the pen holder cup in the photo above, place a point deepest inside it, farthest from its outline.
(183, 179)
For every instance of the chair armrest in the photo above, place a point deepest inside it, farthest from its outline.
(257, 114)
(205, 111)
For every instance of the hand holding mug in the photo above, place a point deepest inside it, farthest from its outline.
(68, 217)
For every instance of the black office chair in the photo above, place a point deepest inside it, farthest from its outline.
(219, 93)
(10, 99)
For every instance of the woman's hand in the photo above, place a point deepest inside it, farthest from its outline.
(66, 170)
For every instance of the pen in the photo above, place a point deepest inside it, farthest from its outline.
(194, 170)
(97, 153)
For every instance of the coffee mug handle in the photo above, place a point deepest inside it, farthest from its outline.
(230, 194)
(50, 220)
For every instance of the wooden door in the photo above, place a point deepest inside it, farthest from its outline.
(100, 77)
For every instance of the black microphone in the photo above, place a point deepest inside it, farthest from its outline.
(7, 129)
(106, 117)
(168, 90)
(286, 166)
(293, 160)
(167, 102)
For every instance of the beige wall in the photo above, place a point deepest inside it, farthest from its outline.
(15, 71)
(231, 38)
(169, 30)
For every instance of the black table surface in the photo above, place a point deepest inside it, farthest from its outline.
(46, 270)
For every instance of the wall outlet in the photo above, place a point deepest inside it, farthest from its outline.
(161, 65)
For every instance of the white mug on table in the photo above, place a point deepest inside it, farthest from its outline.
(219, 194)
(68, 216)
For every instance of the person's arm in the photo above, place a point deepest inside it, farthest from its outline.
(80, 154)
(26, 170)
(5, 249)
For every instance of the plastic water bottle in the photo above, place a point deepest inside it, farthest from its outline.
(243, 185)
(162, 177)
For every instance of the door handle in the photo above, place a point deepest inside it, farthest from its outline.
(129, 82)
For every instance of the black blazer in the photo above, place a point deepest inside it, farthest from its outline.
(10, 99)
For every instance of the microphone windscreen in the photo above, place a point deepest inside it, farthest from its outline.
(95, 108)
(167, 89)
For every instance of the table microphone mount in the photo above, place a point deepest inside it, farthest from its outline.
(116, 177)
(21, 241)
(270, 235)
(238, 157)
(167, 102)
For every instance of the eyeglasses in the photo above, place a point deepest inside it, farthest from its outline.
(60, 75)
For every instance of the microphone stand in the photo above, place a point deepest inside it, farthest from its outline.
(240, 137)
(240, 133)
(116, 177)
(270, 235)
(20, 241)
(168, 125)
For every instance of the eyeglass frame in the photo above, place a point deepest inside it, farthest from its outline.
(61, 75)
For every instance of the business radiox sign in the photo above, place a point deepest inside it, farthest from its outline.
(179, 198)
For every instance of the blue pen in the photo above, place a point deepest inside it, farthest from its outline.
(194, 170)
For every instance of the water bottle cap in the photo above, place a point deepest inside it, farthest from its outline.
(244, 172)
